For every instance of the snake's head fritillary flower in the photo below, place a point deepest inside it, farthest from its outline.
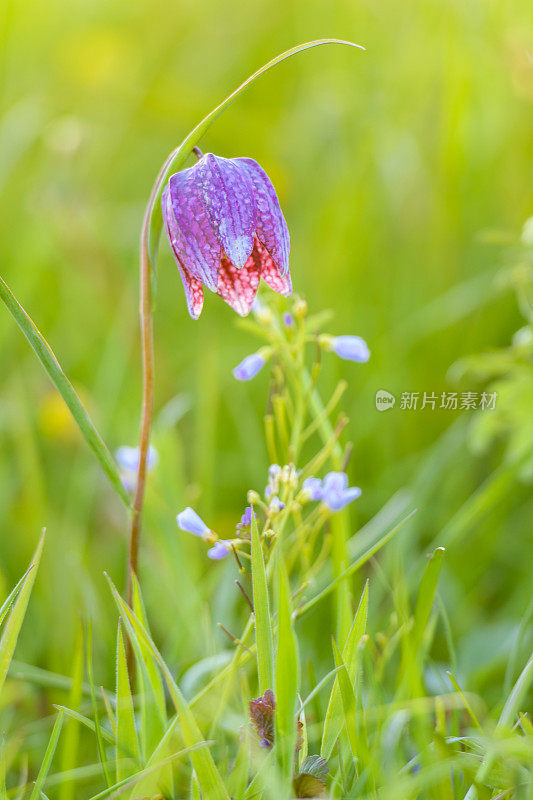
(352, 348)
(227, 231)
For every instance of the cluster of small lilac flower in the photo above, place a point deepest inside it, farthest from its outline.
(332, 492)
(350, 348)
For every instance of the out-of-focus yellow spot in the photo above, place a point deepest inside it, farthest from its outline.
(55, 420)
(97, 58)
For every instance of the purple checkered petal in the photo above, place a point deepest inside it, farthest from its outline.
(271, 227)
(194, 291)
(220, 550)
(192, 236)
(228, 197)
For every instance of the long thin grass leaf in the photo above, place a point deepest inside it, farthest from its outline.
(202, 760)
(349, 703)
(48, 756)
(16, 615)
(334, 716)
(286, 680)
(153, 705)
(44, 353)
(263, 624)
(354, 566)
(10, 599)
(71, 732)
(131, 780)
(97, 727)
(127, 742)
(88, 723)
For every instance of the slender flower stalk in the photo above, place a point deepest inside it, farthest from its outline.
(147, 346)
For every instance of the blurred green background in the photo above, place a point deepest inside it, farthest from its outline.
(402, 172)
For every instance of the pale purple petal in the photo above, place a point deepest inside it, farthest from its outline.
(338, 500)
(335, 481)
(128, 458)
(276, 505)
(271, 227)
(220, 550)
(193, 238)
(228, 196)
(188, 520)
(352, 348)
(249, 367)
(314, 487)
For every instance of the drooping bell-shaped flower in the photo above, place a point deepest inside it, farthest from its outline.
(227, 231)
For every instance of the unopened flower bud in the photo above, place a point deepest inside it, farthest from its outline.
(300, 308)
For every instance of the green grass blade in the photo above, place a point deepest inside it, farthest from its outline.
(44, 353)
(354, 566)
(153, 715)
(263, 626)
(127, 742)
(202, 760)
(334, 715)
(152, 783)
(16, 615)
(131, 780)
(71, 733)
(517, 695)
(463, 697)
(88, 723)
(426, 594)
(48, 756)
(97, 726)
(411, 678)
(177, 159)
(8, 602)
(286, 680)
(348, 700)
(3, 792)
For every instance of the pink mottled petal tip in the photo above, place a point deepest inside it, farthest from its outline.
(238, 287)
(271, 274)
